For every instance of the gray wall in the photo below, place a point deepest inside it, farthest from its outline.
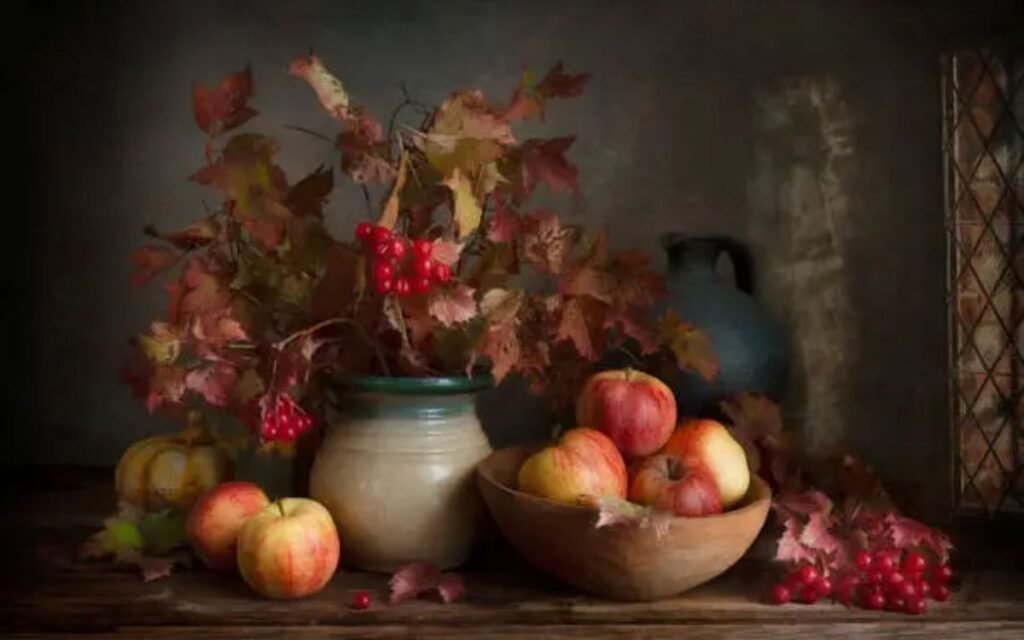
(702, 116)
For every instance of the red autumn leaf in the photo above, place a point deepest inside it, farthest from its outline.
(907, 533)
(154, 568)
(420, 578)
(203, 289)
(452, 304)
(151, 260)
(525, 103)
(574, 327)
(546, 243)
(503, 224)
(224, 107)
(166, 386)
(803, 503)
(790, 549)
(818, 537)
(446, 252)
(558, 84)
(691, 347)
(328, 88)
(500, 343)
(213, 382)
(545, 161)
(623, 279)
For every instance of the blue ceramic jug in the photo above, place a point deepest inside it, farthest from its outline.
(751, 346)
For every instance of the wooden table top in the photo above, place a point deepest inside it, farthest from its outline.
(46, 593)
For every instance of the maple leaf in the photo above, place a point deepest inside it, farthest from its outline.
(133, 537)
(817, 535)
(198, 234)
(151, 260)
(790, 549)
(452, 304)
(908, 533)
(500, 306)
(466, 208)
(202, 289)
(754, 415)
(419, 578)
(224, 107)
(691, 347)
(389, 216)
(328, 88)
(213, 382)
(166, 385)
(616, 512)
(558, 84)
(446, 252)
(503, 224)
(163, 343)
(575, 328)
(622, 279)
(544, 161)
(500, 343)
(307, 196)
(546, 243)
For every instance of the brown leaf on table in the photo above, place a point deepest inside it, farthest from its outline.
(328, 88)
(419, 578)
(452, 304)
(466, 209)
(546, 243)
(155, 568)
(150, 261)
(225, 106)
(307, 196)
(691, 347)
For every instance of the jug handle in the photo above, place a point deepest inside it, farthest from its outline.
(742, 263)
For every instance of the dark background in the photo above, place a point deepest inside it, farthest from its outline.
(809, 129)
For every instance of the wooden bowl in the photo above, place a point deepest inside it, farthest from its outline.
(622, 562)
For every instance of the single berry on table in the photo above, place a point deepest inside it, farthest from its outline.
(780, 594)
(874, 601)
(906, 590)
(360, 600)
(895, 604)
(894, 578)
(809, 594)
(807, 574)
(874, 577)
(940, 592)
(924, 588)
(915, 606)
(824, 587)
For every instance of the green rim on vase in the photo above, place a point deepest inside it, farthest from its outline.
(407, 386)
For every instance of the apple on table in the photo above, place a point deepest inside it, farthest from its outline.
(217, 517)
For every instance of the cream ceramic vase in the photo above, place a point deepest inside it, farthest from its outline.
(396, 471)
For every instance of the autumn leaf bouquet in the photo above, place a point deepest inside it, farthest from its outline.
(452, 272)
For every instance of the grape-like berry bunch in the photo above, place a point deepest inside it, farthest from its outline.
(394, 268)
(881, 580)
(282, 419)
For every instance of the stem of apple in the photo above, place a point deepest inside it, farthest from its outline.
(280, 507)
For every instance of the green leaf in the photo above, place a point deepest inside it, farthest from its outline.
(162, 531)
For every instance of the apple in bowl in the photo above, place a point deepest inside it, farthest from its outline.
(683, 486)
(584, 463)
(636, 410)
(290, 549)
(711, 443)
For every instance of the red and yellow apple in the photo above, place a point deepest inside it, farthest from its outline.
(290, 549)
(637, 411)
(683, 486)
(584, 464)
(711, 443)
(217, 517)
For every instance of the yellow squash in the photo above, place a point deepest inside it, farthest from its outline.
(172, 471)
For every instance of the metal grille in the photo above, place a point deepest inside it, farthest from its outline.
(984, 157)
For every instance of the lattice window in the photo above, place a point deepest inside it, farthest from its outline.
(984, 149)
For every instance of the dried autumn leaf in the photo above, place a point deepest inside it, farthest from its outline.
(198, 234)
(419, 578)
(307, 196)
(224, 107)
(500, 344)
(328, 88)
(466, 208)
(248, 387)
(559, 84)
(754, 415)
(364, 152)
(389, 216)
(151, 260)
(446, 252)
(452, 304)
(622, 279)
(546, 243)
(690, 346)
(162, 344)
(503, 224)
(790, 549)
(574, 327)
(343, 281)
(166, 386)
(501, 306)
(544, 161)
(817, 536)
(213, 382)
(615, 512)
(907, 533)
(203, 290)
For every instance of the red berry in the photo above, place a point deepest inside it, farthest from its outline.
(780, 594)
(383, 270)
(423, 266)
(824, 587)
(364, 230)
(442, 273)
(360, 600)
(941, 573)
(421, 284)
(402, 287)
(862, 560)
(894, 578)
(382, 250)
(807, 574)
(396, 248)
(380, 235)
(883, 562)
(895, 603)
(916, 606)
(924, 588)
(914, 562)
(808, 594)
(907, 590)
(874, 577)
(940, 592)
(383, 286)
(423, 248)
(288, 434)
(874, 601)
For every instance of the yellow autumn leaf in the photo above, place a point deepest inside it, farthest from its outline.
(389, 216)
(465, 207)
(162, 344)
(691, 346)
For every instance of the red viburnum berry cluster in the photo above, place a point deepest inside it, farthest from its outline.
(282, 419)
(394, 268)
(881, 580)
